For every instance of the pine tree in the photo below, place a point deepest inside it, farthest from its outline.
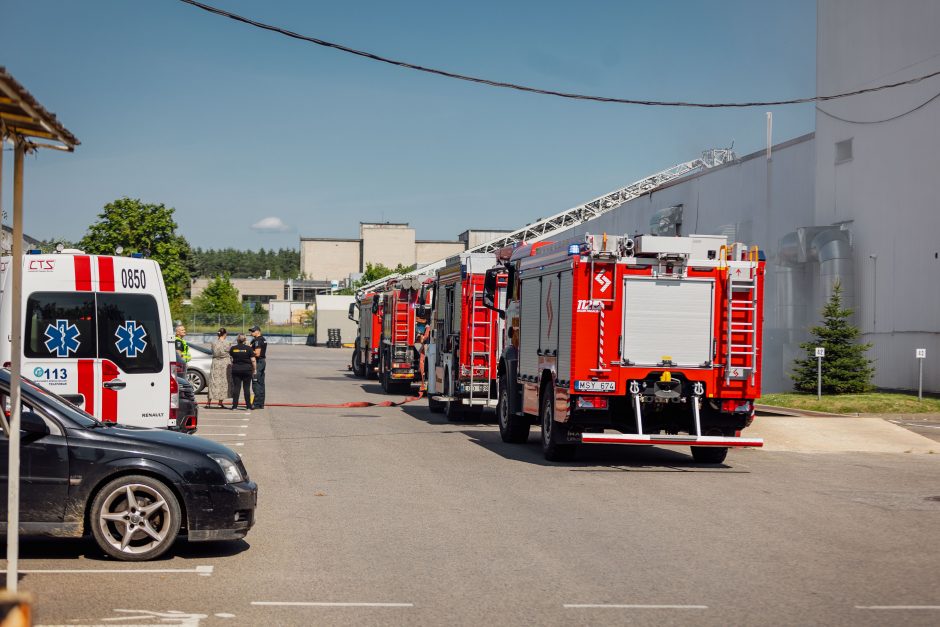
(845, 368)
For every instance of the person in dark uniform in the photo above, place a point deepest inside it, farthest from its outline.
(243, 369)
(259, 347)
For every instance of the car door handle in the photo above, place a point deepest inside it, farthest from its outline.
(114, 384)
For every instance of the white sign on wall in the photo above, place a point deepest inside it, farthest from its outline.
(820, 351)
(920, 353)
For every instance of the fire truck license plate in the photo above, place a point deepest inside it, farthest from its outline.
(595, 386)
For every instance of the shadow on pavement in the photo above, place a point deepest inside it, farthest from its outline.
(599, 457)
(36, 548)
(419, 410)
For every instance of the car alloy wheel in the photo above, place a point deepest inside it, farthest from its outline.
(196, 379)
(135, 518)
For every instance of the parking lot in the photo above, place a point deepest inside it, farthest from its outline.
(396, 516)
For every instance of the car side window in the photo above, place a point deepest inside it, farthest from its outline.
(25, 406)
(129, 332)
(60, 325)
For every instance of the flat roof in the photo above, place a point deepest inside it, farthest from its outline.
(330, 239)
(21, 114)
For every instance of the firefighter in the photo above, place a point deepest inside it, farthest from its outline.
(422, 336)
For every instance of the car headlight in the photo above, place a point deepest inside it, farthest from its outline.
(229, 469)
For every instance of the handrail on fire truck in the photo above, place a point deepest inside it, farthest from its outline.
(546, 227)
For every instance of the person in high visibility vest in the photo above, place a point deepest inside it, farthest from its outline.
(182, 347)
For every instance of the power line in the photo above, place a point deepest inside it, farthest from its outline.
(894, 117)
(537, 90)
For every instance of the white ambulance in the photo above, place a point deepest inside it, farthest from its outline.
(96, 330)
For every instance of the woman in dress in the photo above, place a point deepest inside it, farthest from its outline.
(220, 376)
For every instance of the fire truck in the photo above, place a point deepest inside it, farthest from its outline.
(367, 313)
(399, 303)
(466, 337)
(648, 340)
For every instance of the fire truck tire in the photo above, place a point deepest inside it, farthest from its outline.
(709, 454)
(554, 434)
(513, 429)
(436, 407)
(357, 366)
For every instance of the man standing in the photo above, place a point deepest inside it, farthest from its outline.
(259, 347)
(182, 347)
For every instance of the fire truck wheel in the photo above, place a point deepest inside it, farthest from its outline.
(513, 429)
(709, 454)
(436, 407)
(357, 367)
(554, 434)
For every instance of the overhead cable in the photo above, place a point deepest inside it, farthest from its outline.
(546, 92)
(893, 117)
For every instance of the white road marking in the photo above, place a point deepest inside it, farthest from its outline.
(897, 607)
(624, 606)
(223, 426)
(325, 604)
(205, 571)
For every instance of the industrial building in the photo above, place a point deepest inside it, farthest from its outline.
(857, 201)
(386, 243)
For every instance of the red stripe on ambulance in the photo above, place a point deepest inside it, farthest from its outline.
(82, 273)
(106, 274)
(109, 398)
(86, 383)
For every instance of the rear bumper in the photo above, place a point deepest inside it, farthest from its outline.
(670, 440)
(220, 512)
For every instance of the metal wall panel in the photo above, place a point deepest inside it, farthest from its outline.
(529, 334)
(667, 319)
(548, 334)
(565, 306)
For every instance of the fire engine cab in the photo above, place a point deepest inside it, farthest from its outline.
(400, 301)
(647, 340)
(97, 331)
(365, 357)
(466, 337)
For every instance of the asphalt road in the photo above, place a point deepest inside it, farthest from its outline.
(395, 516)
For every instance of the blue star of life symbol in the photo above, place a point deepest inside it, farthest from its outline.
(62, 338)
(131, 338)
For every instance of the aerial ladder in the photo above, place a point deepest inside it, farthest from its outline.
(546, 227)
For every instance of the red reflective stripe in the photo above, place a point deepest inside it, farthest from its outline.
(82, 273)
(86, 383)
(109, 398)
(106, 274)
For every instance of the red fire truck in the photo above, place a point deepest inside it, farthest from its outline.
(657, 339)
(365, 357)
(398, 363)
(466, 337)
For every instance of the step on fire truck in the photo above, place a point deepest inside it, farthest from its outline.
(400, 301)
(366, 312)
(466, 337)
(657, 339)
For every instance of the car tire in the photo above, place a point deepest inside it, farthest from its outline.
(554, 434)
(197, 379)
(138, 531)
(513, 429)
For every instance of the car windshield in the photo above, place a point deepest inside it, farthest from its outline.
(59, 404)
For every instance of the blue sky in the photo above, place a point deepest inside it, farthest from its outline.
(231, 125)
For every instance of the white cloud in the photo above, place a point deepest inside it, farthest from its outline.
(272, 224)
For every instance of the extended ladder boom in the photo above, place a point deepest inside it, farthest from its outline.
(544, 228)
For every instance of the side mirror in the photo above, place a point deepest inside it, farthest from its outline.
(352, 311)
(33, 424)
(489, 289)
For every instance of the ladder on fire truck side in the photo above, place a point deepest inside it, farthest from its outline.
(741, 325)
(400, 323)
(480, 323)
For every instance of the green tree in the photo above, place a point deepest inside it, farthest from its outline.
(146, 228)
(219, 297)
(374, 272)
(845, 368)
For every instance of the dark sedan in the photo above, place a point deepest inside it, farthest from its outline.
(135, 490)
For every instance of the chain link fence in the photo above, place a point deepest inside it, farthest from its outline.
(202, 328)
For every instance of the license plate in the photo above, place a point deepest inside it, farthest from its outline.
(595, 386)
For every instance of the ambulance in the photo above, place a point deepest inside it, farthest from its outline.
(97, 331)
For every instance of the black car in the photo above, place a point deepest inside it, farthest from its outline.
(134, 489)
(187, 414)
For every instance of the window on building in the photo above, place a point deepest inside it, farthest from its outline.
(844, 151)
